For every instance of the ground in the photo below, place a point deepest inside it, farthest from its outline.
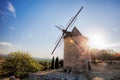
(100, 71)
(106, 71)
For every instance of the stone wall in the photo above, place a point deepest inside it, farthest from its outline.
(76, 56)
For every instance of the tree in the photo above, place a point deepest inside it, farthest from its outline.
(52, 63)
(1, 63)
(57, 63)
(46, 64)
(20, 64)
(105, 55)
(116, 56)
(61, 63)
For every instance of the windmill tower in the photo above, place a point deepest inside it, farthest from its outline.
(76, 52)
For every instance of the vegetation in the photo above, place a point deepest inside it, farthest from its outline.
(1, 63)
(20, 64)
(61, 64)
(52, 63)
(104, 55)
(56, 63)
(46, 64)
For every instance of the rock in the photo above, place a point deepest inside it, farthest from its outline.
(98, 78)
(56, 76)
(12, 78)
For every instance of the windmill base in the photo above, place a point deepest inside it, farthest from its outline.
(75, 71)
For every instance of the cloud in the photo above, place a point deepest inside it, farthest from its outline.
(7, 10)
(6, 44)
(12, 28)
(6, 47)
(3, 15)
(19, 46)
(115, 46)
(11, 9)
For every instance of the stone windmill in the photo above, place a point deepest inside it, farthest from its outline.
(76, 52)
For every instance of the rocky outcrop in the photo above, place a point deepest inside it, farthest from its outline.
(61, 75)
(53, 75)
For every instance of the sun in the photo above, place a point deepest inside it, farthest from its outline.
(96, 41)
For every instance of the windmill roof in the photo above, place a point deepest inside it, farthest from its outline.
(74, 32)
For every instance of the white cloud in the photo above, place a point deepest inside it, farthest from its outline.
(3, 15)
(12, 28)
(115, 46)
(11, 9)
(6, 44)
(19, 46)
(6, 47)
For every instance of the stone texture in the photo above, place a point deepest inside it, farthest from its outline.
(76, 52)
(95, 74)
(56, 75)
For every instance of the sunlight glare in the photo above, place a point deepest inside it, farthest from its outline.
(96, 41)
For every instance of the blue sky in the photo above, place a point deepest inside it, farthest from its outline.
(28, 25)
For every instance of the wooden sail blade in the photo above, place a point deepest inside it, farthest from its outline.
(74, 18)
(58, 27)
(57, 44)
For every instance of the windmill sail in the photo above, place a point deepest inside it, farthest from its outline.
(65, 30)
(76, 53)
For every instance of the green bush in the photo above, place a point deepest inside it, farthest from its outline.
(20, 64)
(46, 64)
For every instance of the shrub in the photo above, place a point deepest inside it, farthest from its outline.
(20, 64)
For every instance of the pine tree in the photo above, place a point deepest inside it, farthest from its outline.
(52, 63)
(57, 63)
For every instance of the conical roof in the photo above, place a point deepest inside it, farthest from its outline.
(75, 32)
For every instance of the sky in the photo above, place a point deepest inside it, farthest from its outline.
(29, 25)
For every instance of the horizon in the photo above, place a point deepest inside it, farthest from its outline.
(29, 25)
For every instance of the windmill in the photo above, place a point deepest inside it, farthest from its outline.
(75, 49)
